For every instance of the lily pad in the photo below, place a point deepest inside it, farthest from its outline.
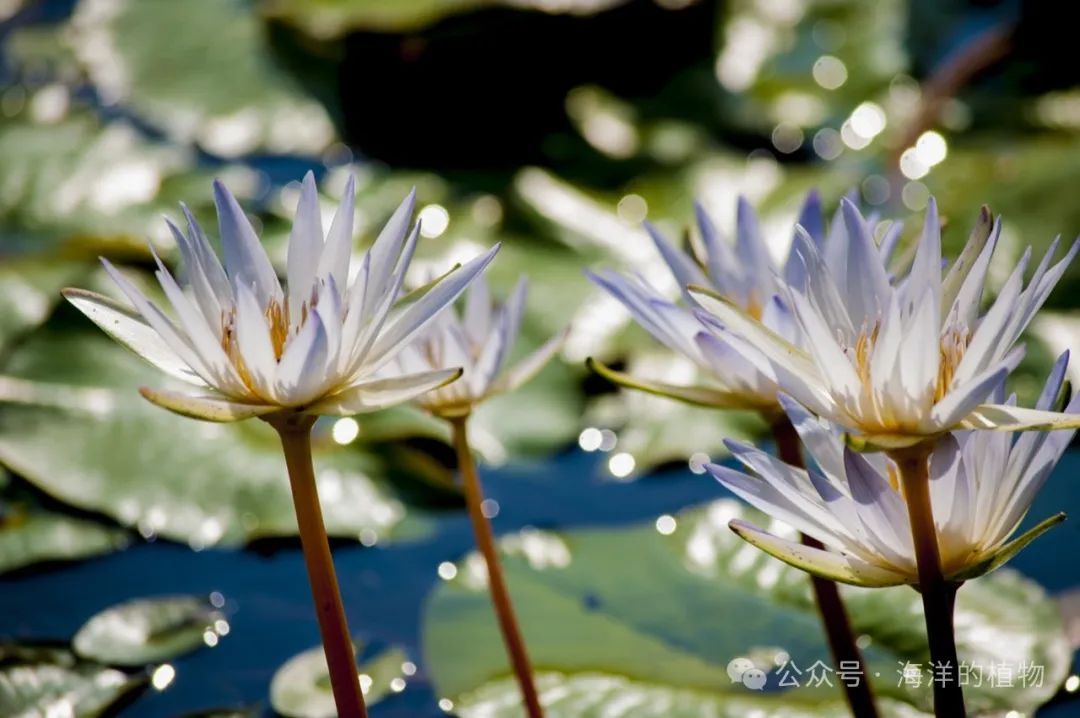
(654, 636)
(210, 79)
(165, 475)
(333, 18)
(89, 187)
(29, 535)
(301, 687)
(147, 630)
(46, 683)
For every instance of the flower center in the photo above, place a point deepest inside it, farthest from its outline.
(952, 344)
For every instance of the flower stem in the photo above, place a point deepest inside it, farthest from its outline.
(938, 594)
(500, 596)
(295, 433)
(834, 617)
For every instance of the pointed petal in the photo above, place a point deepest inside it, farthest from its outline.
(958, 272)
(204, 406)
(245, 258)
(684, 269)
(253, 341)
(867, 283)
(998, 557)
(694, 395)
(304, 363)
(305, 248)
(1002, 417)
(131, 330)
(925, 275)
(387, 247)
(337, 252)
(416, 316)
(531, 365)
(381, 393)
(816, 562)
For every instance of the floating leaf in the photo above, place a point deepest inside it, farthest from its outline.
(147, 630)
(332, 18)
(653, 636)
(31, 535)
(301, 687)
(191, 481)
(34, 683)
(91, 186)
(210, 79)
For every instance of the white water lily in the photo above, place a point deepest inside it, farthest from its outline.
(898, 362)
(982, 484)
(479, 341)
(253, 348)
(745, 275)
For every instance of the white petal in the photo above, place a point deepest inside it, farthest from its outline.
(131, 330)
(253, 341)
(478, 310)
(969, 269)
(302, 370)
(416, 316)
(1001, 417)
(961, 401)
(305, 248)
(337, 252)
(381, 393)
(161, 324)
(867, 283)
(684, 269)
(205, 295)
(531, 365)
(880, 508)
(925, 275)
(384, 252)
(245, 257)
(825, 564)
(204, 406)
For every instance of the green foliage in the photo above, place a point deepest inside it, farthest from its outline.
(655, 634)
(147, 630)
(301, 687)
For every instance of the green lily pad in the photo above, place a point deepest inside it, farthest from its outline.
(29, 535)
(36, 682)
(653, 636)
(89, 187)
(210, 79)
(301, 687)
(190, 481)
(148, 630)
(29, 290)
(332, 18)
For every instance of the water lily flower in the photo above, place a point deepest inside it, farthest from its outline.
(745, 275)
(982, 484)
(254, 348)
(897, 362)
(479, 340)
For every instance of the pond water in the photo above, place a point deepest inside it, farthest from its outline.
(384, 587)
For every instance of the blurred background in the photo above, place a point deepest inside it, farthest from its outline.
(553, 126)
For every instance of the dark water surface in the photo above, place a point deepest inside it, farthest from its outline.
(384, 587)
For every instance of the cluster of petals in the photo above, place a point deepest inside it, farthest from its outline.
(249, 346)
(480, 340)
(982, 484)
